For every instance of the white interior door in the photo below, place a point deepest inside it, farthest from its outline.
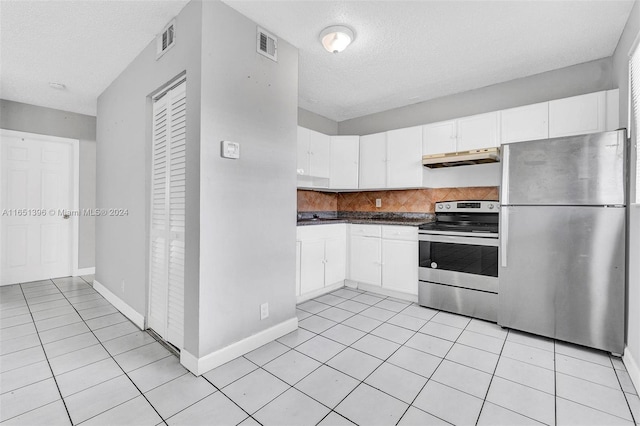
(37, 185)
(168, 190)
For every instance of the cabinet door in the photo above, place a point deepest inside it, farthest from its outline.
(311, 266)
(365, 255)
(335, 255)
(373, 161)
(303, 151)
(478, 132)
(525, 123)
(400, 265)
(319, 149)
(577, 115)
(439, 138)
(404, 158)
(344, 162)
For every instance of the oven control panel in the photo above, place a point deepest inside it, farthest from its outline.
(468, 206)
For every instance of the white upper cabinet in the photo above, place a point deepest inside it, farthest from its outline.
(525, 123)
(373, 161)
(439, 138)
(303, 151)
(313, 159)
(345, 151)
(319, 153)
(578, 115)
(478, 132)
(464, 134)
(404, 158)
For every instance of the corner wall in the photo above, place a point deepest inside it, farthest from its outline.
(621, 77)
(124, 168)
(313, 121)
(574, 80)
(54, 122)
(248, 205)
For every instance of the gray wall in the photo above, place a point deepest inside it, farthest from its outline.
(621, 78)
(124, 169)
(53, 122)
(575, 80)
(316, 122)
(247, 206)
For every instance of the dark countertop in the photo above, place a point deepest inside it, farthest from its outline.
(363, 218)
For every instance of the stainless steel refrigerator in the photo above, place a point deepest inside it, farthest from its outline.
(562, 239)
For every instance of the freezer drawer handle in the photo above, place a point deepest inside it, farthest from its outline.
(504, 236)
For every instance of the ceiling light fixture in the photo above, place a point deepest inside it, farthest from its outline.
(57, 86)
(336, 38)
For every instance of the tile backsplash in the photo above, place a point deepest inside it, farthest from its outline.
(406, 200)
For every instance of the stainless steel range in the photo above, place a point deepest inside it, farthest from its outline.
(458, 261)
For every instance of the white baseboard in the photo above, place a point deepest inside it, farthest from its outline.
(215, 359)
(319, 292)
(632, 368)
(382, 291)
(84, 271)
(120, 305)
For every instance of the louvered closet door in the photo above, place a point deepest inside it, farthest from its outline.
(166, 294)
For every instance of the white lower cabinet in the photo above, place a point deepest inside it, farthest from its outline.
(385, 256)
(366, 259)
(322, 258)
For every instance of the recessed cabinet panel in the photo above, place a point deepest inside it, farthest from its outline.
(577, 115)
(439, 138)
(366, 260)
(335, 254)
(404, 158)
(526, 123)
(478, 132)
(319, 149)
(400, 265)
(311, 266)
(373, 161)
(345, 151)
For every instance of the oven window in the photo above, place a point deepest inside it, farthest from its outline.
(471, 259)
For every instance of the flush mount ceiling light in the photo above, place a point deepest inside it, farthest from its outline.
(57, 86)
(336, 38)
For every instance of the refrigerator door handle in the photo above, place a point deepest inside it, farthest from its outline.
(505, 175)
(504, 236)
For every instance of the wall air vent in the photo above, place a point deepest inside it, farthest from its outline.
(166, 39)
(267, 44)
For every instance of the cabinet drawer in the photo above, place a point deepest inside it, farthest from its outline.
(409, 233)
(366, 230)
(312, 232)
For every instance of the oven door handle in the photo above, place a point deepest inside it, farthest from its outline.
(489, 242)
(504, 236)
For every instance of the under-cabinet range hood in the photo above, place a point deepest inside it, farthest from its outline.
(478, 156)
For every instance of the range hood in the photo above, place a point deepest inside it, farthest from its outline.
(465, 158)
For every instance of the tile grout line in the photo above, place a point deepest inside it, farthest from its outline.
(53, 376)
(484, 400)
(124, 373)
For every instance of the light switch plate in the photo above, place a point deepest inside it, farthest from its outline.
(230, 149)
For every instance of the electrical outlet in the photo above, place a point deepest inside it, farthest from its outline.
(122, 286)
(264, 311)
(378, 202)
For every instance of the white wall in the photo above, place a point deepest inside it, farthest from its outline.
(621, 79)
(247, 206)
(313, 121)
(53, 122)
(124, 169)
(561, 83)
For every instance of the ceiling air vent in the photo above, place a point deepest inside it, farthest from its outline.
(166, 39)
(267, 44)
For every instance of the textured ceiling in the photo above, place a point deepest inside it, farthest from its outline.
(404, 52)
(82, 44)
(407, 52)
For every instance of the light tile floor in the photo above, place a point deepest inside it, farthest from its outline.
(68, 357)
